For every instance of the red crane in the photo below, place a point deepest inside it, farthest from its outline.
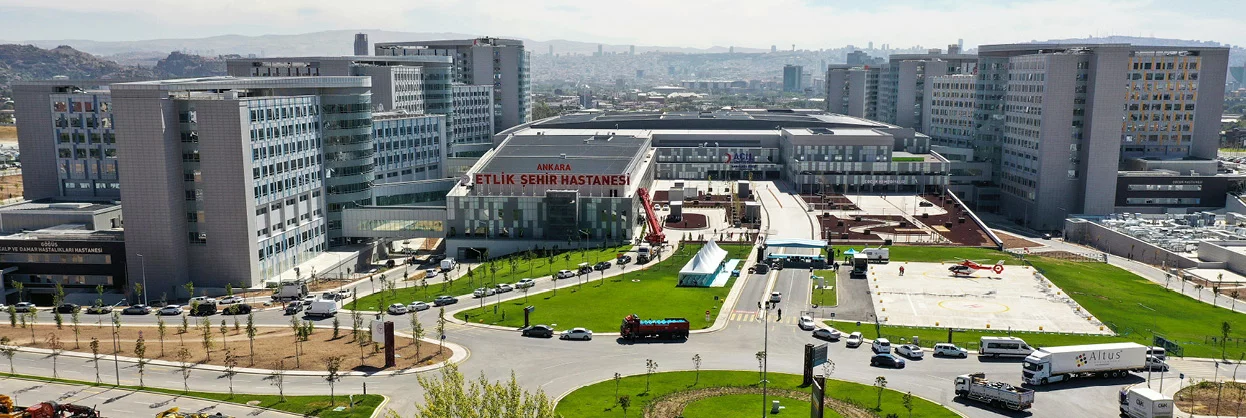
(655, 236)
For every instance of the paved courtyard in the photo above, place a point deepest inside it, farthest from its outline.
(928, 295)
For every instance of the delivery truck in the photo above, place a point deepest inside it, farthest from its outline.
(975, 386)
(633, 327)
(1054, 364)
(860, 265)
(1143, 402)
(290, 290)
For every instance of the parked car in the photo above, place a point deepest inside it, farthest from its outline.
(577, 334)
(503, 288)
(203, 309)
(484, 292)
(200, 299)
(525, 283)
(624, 259)
(912, 351)
(887, 360)
(397, 309)
(99, 310)
(604, 265)
(25, 307)
(829, 334)
(445, 300)
(418, 306)
(564, 274)
(169, 310)
(136, 310)
(805, 322)
(294, 307)
(776, 297)
(854, 340)
(881, 345)
(309, 299)
(543, 331)
(950, 350)
(67, 308)
(237, 309)
(430, 273)
(228, 300)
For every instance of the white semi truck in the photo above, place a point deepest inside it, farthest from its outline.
(1054, 364)
(975, 386)
(1142, 402)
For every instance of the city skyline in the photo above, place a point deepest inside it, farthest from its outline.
(657, 24)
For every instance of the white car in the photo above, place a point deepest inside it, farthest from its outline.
(397, 309)
(775, 297)
(577, 334)
(564, 274)
(503, 288)
(483, 292)
(230, 300)
(430, 273)
(805, 322)
(418, 306)
(950, 350)
(830, 334)
(881, 345)
(525, 283)
(170, 310)
(909, 350)
(200, 299)
(854, 340)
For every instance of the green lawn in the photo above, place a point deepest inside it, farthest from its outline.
(940, 254)
(536, 268)
(733, 405)
(967, 338)
(317, 406)
(600, 307)
(598, 400)
(1135, 307)
(907, 159)
(828, 296)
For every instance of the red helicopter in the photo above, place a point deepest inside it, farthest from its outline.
(967, 267)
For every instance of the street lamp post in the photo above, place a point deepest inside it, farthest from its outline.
(765, 361)
(143, 263)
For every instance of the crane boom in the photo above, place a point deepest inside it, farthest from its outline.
(655, 236)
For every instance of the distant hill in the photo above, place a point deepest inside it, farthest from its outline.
(179, 65)
(29, 62)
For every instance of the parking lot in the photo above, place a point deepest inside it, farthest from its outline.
(929, 295)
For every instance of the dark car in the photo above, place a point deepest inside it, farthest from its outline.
(99, 310)
(67, 308)
(543, 331)
(203, 309)
(887, 360)
(604, 265)
(237, 309)
(624, 259)
(136, 310)
(294, 307)
(445, 300)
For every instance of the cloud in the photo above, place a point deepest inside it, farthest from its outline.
(809, 24)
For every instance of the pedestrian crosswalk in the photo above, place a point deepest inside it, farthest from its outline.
(753, 316)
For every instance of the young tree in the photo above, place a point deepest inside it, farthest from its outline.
(1234, 294)
(76, 319)
(205, 329)
(908, 402)
(356, 322)
(95, 357)
(417, 333)
(54, 344)
(696, 365)
(337, 327)
(880, 385)
(333, 365)
(224, 329)
(99, 292)
(190, 289)
(231, 361)
(617, 378)
(161, 330)
(19, 287)
(237, 328)
(8, 350)
(278, 378)
(1225, 329)
(251, 331)
(58, 297)
(625, 402)
(441, 329)
(33, 319)
(297, 327)
(140, 351)
(138, 292)
(650, 367)
(229, 289)
(183, 360)
(13, 317)
(448, 394)
(761, 363)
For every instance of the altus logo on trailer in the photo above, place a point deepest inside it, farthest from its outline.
(1085, 358)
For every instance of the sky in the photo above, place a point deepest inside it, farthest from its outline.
(809, 24)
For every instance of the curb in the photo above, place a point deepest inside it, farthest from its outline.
(377, 412)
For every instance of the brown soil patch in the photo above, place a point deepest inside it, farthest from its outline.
(964, 232)
(829, 201)
(8, 133)
(1013, 241)
(272, 344)
(11, 186)
(1201, 399)
(673, 405)
(689, 221)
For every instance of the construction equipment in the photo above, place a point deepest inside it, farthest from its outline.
(655, 236)
(173, 413)
(47, 409)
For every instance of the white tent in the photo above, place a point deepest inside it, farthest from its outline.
(702, 268)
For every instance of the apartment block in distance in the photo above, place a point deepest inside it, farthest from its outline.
(1063, 120)
(237, 178)
(902, 84)
(792, 78)
(852, 90)
(500, 63)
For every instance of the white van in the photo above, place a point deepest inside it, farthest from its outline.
(881, 345)
(323, 308)
(1158, 352)
(1003, 346)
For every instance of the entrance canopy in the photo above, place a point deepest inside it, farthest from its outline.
(702, 268)
(795, 243)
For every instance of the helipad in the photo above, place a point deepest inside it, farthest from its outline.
(929, 295)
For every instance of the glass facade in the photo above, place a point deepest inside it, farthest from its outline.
(86, 145)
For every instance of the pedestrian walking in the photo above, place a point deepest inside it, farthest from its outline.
(901, 270)
(780, 315)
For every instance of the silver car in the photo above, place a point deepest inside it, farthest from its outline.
(418, 306)
(577, 334)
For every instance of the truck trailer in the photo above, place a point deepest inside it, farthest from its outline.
(877, 255)
(633, 327)
(1142, 402)
(1054, 364)
(975, 386)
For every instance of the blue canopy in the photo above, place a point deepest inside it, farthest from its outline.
(850, 252)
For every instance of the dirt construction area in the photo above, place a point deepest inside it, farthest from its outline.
(929, 295)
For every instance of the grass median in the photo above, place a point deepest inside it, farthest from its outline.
(312, 406)
(598, 400)
(827, 296)
(524, 266)
(600, 306)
